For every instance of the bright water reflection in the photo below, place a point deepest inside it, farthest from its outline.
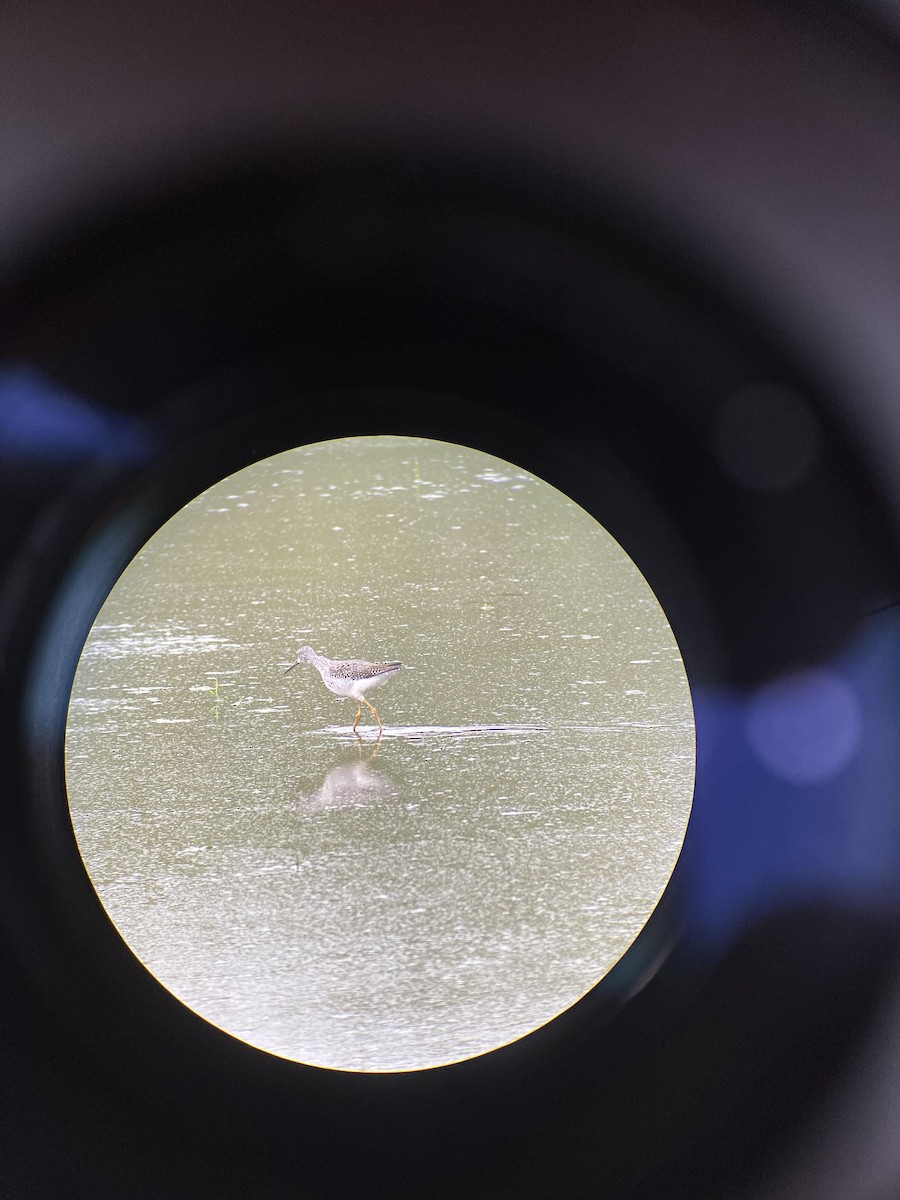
(395, 904)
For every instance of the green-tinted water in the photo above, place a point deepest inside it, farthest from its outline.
(392, 904)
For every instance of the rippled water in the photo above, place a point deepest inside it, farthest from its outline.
(391, 904)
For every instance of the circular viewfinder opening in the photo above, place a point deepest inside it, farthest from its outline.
(394, 898)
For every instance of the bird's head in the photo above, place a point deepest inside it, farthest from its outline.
(304, 655)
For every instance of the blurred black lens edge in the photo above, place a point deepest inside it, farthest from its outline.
(277, 307)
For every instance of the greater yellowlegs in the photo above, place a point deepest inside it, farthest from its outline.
(349, 677)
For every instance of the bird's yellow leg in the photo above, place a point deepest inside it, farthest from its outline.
(377, 718)
(356, 722)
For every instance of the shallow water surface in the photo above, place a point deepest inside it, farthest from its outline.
(396, 903)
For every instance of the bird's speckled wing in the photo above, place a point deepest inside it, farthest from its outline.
(353, 669)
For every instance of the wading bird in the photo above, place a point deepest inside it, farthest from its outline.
(349, 677)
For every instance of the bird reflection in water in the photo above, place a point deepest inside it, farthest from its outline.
(349, 785)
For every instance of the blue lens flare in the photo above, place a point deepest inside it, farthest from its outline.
(40, 422)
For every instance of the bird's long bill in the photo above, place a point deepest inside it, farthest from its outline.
(291, 667)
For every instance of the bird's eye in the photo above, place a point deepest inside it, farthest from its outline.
(394, 896)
